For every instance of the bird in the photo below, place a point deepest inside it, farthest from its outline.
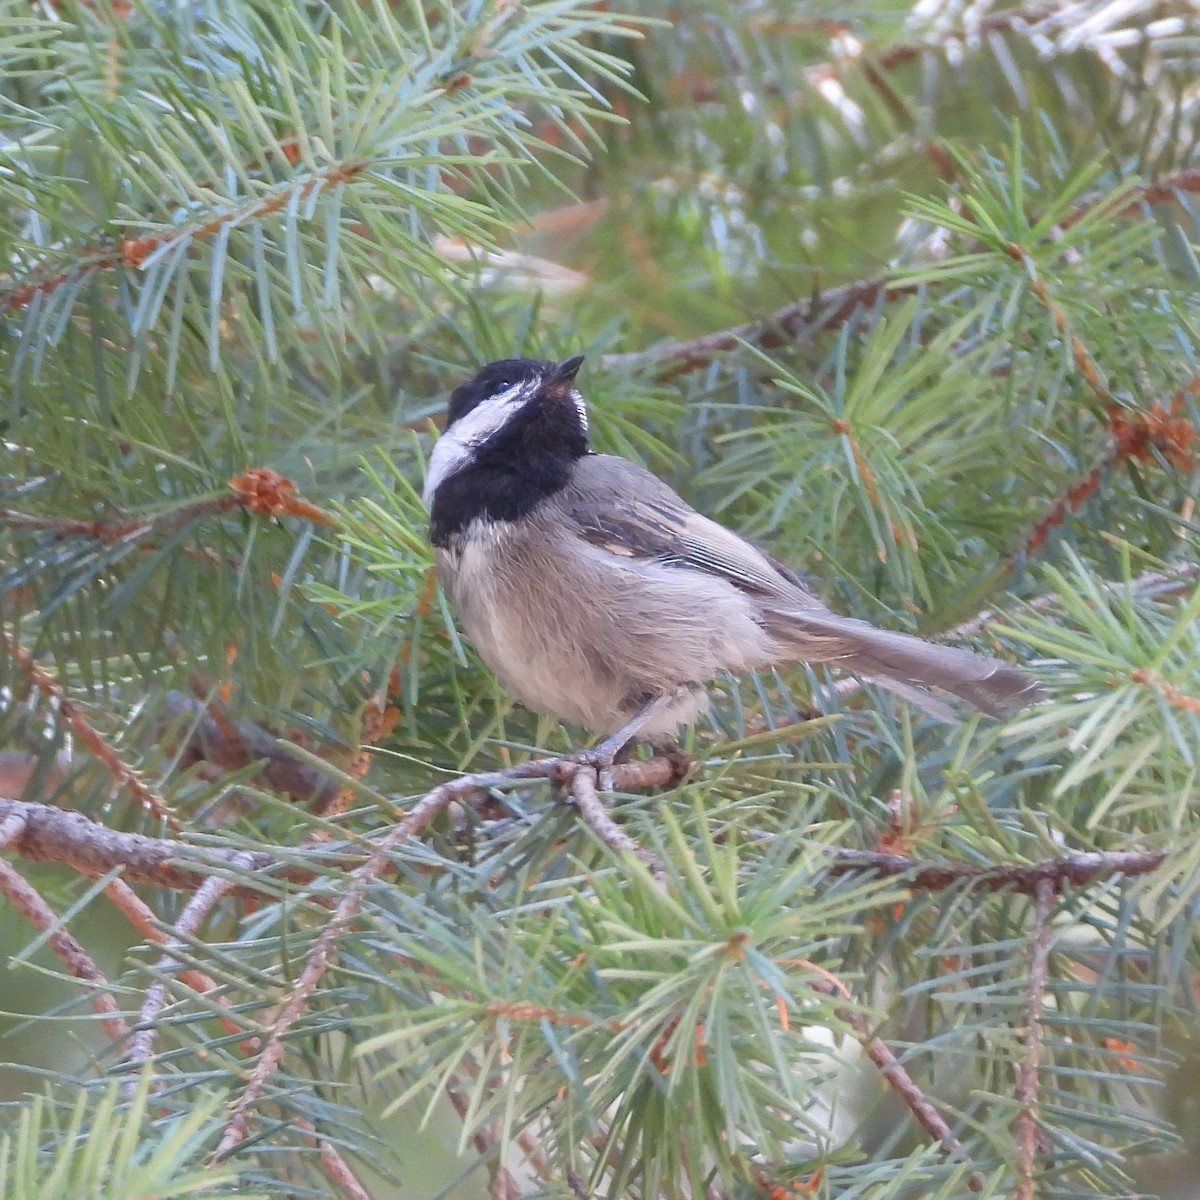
(596, 594)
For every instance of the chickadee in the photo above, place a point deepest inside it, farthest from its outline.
(595, 593)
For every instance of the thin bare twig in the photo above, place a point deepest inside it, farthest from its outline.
(337, 1169)
(598, 819)
(319, 957)
(487, 1145)
(207, 897)
(793, 322)
(1074, 867)
(28, 902)
(915, 1100)
(895, 1074)
(1027, 1077)
(143, 918)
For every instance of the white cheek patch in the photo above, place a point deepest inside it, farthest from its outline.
(580, 408)
(456, 445)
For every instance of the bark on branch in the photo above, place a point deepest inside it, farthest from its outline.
(49, 834)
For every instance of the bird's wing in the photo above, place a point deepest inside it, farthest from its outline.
(624, 509)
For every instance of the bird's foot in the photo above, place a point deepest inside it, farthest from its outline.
(611, 753)
(601, 759)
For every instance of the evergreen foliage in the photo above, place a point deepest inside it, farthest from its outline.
(908, 292)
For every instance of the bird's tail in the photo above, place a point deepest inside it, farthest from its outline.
(859, 647)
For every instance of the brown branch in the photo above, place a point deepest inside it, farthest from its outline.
(259, 490)
(50, 834)
(318, 959)
(1027, 1077)
(234, 743)
(1158, 191)
(116, 528)
(834, 307)
(486, 1143)
(123, 774)
(902, 1083)
(1075, 868)
(132, 252)
(29, 903)
(207, 897)
(143, 918)
(597, 818)
(796, 321)
(1161, 432)
(894, 1073)
(337, 1169)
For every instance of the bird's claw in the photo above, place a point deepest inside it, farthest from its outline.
(600, 759)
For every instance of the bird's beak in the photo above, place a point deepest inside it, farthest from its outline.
(567, 369)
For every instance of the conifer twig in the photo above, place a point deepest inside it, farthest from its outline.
(26, 899)
(49, 834)
(1026, 1092)
(132, 252)
(318, 959)
(1148, 583)
(486, 1141)
(902, 1083)
(142, 917)
(259, 490)
(123, 774)
(337, 1169)
(893, 1072)
(796, 321)
(835, 306)
(206, 898)
(598, 819)
(1074, 867)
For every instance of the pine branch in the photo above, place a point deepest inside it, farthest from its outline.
(799, 321)
(319, 958)
(1027, 1080)
(802, 320)
(134, 252)
(29, 903)
(1075, 868)
(43, 833)
(207, 897)
(124, 776)
(336, 1168)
